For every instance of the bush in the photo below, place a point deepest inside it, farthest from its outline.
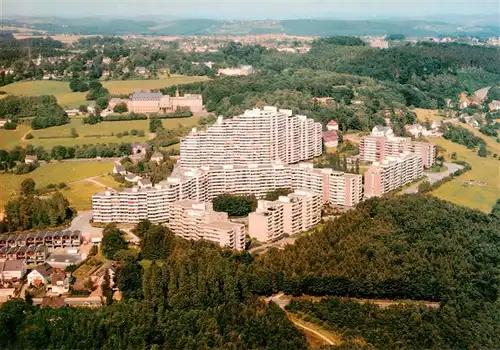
(235, 205)
(28, 136)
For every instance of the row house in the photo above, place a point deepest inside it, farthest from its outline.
(56, 239)
(30, 254)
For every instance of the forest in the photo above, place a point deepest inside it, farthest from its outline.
(452, 326)
(185, 294)
(44, 109)
(30, 211)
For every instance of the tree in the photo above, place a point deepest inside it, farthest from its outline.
(112, 241)
(83, 109)
(235, 205)
(74, 134)
(495, 211)
(155, 124)
(102, 102)
(482, 151)
(120, 108)
(274, 195)
(425, 186)
(107, 292)
(27, 187)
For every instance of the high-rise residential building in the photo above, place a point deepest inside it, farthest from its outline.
(382, 143)
(257, 136)
(204, 184)
(392, 173)
(196, 220)
(292, 214)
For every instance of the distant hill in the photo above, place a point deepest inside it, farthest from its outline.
(155, 25)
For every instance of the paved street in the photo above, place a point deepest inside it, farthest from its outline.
(81, 223)
(433, 177)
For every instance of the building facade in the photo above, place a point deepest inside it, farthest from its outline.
(196, 220)
(292, 214)
(257, 136)
(382, 144)
(204, 184)
(156, 102)
(392, 173)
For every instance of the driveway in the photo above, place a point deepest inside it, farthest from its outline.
(433, 177)
(82, 223)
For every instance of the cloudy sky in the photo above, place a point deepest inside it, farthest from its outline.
(244, 9)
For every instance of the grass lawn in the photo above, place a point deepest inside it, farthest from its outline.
(481, 197)
(60, 89)
(55, 173)
(11, 138)
(436, 169)
(104, 130)
(129, 86)
(79, 194)
(430, 114)
(108, 180)
(67, 98)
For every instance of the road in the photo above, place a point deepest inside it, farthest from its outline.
(282, 302)
(434, 177)
(82, 223)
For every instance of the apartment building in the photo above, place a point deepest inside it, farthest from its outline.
(382, 143)
(236, 71)
(392, 173)
(196, 220)
(292, 214)
(257, 136)
(205, 183)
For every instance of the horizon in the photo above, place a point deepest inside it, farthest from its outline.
(242, 10)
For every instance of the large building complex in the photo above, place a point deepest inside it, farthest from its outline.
(257, 136)
(297, 212)
(205, 183)
(382, 144)
(196, 220)
(156, 102)
(392, 173)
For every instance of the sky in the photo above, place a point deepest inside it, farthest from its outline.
(244, 9)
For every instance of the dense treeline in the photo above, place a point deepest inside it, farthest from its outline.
(29, 211)
(44, 109)
(414, 247)
(181, 293)
(453, 326)
(462, 136)
(235, 205)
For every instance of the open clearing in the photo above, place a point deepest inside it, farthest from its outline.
(56, 173)
(101, 133)
(430, 114)
(67, 98)
(79, 194)
(485, 171)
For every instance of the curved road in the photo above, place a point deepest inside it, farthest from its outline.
(434, 177)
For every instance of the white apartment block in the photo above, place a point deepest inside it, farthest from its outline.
(204, 184)
(382, 143)
(392, 173)
(196, 220)
(292, 214)
(257, 136)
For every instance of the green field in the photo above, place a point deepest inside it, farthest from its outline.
(486, 171)
(80, 194)
(56, 173)
(109, 181)
(68, 99)
(60, 135)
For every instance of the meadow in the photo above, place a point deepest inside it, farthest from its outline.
(78, 193)
(431, 114)
(69, 99)
(485, 173)
(100, 133)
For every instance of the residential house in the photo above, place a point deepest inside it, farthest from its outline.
(13, 270)
(59, 282)
(106, 60)
(494, 106)
(105, 74)
(40, 275)
(157, 157)
(144, 183)
(119, 169)
(141, 70)
(30, 159)
(330, 138)
(332, 125)
(132, 178)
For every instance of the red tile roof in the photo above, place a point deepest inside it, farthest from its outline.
(330, 136)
